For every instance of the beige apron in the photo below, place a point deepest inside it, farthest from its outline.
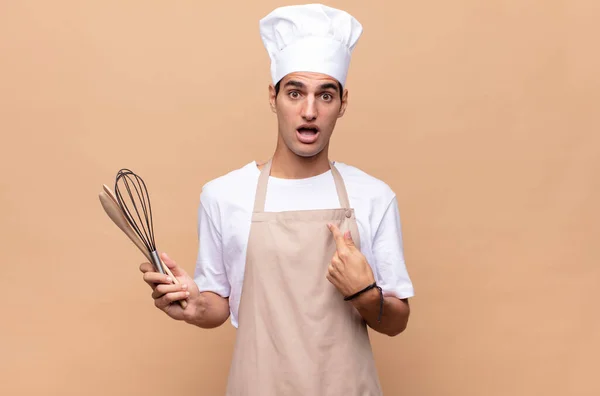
(296, 335)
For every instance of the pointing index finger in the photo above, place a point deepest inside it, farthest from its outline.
(338, 236)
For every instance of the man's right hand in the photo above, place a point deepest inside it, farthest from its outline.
(166, 294)
(205, 310)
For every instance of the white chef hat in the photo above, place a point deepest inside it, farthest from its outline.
(309, 38)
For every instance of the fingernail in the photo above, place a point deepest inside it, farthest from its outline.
(187, 293)
(169, 279)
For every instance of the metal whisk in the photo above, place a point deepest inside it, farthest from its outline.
(138, 211)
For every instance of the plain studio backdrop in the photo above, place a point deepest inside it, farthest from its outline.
(482, 116)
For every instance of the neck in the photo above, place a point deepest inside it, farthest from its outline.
(287, 165)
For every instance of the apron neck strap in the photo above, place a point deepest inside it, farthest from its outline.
(263, 180)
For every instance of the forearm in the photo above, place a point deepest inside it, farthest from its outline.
(209, 310)
(394, 317)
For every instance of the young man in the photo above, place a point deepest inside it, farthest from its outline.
(302, 252)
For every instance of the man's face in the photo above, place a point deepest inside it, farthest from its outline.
(307, 106)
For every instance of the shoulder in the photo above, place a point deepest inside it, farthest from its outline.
(230, 185)
(368, 187)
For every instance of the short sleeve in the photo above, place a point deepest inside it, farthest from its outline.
(388, 251)
(210, 274)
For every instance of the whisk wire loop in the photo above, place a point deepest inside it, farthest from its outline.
(140, 214)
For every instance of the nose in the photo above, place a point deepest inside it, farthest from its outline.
(309, 109)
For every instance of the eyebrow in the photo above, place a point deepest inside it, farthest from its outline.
(293, 83)
(329, 86)
(298, 84)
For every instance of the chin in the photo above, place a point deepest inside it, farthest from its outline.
(304, 150)
(307, 152)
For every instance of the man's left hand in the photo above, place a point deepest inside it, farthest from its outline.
(349, 270)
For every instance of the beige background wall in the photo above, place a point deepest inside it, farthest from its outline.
(482, 115)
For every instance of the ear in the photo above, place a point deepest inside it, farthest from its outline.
(344, 104)
(272, 98)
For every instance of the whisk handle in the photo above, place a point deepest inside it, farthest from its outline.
(158, 264)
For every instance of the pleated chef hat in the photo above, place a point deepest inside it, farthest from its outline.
(309, 38)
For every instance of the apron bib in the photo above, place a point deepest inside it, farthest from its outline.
(296, 335)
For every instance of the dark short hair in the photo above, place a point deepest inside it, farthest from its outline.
(278, 87)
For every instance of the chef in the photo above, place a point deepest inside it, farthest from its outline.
(303, 253)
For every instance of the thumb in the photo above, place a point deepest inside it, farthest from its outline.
(348, 238)
(169, 262)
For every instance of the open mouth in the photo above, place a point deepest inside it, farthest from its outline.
(307, 133)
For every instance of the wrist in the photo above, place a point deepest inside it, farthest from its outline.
(366, 300)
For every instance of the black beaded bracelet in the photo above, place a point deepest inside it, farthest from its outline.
(371, 286)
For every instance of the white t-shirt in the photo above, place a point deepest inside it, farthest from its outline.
(225, 214)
